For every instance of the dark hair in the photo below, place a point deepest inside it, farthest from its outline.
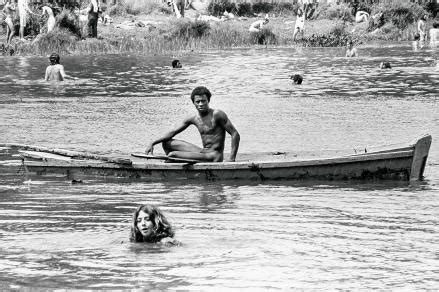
(161, 226)
(385, 65)
(435, 24)
(296, 78)
(417, 36)
(54, 59)
(175, 63)
(201, 90)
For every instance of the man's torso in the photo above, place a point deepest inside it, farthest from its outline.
(54, 73)
(211, 130)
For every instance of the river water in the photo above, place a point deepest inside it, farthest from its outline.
(282, 235)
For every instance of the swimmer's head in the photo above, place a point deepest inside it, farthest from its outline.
(297, 79)
(149, 225)
(385, 65)
(176, 64)
(54, 59)
(201, 90)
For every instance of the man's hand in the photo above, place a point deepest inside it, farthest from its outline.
(230, 159)
(150, 149)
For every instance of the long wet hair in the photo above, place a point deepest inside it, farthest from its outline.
(161, 226)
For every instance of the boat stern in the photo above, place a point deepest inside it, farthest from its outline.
(421, 149)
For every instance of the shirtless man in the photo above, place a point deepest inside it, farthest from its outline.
(422, 28)
(361, 16)
(351, 51)
(55, 71)
(212, 125)
(8, 10)
(258, 25)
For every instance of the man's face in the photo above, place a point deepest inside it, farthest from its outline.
(201, 103)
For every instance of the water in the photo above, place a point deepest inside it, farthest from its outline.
(312, 235)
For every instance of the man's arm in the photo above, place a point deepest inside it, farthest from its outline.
(230, 128)
(169, 135)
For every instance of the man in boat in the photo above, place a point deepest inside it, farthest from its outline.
(212, 125)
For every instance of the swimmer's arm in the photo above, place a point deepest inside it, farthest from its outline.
(64, 74)
(169, 135)
(230, 128)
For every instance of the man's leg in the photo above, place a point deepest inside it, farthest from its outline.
(90, 27)
(179, 145)
(182, 149)
(95, 28)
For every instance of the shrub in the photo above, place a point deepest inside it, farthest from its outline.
(262, 7)
(136, 7)
(340, 11)
(263, 37)
(217, 8)
(285, 8)
(244, 9)
(188, 29)
(69, 21)
(337, 37)
(401, 14)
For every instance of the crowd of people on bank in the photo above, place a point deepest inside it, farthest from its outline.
(93, 11)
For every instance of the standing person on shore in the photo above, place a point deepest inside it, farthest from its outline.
(434, 34)
(212, 124)
(8, 10)
(23, 10)
(422, 28)
(151, 226)
(51, 20)
(351, 51)
(299, 27)
(94, 9)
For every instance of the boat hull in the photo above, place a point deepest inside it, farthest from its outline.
(405, 163)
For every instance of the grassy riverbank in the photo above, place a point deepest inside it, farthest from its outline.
(158, 31)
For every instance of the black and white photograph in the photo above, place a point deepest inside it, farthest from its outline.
(219, 145)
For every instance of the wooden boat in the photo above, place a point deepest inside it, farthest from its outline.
(397, 162)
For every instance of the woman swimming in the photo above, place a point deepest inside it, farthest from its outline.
(150, 225)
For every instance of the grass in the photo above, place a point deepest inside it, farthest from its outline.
(332, 27)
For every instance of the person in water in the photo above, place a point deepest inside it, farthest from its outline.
(176, 64)
(297, 78)
(55, 71)
(8, 10)
(212, 125)
(150, 225)
(385, 65)
(351, 51)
